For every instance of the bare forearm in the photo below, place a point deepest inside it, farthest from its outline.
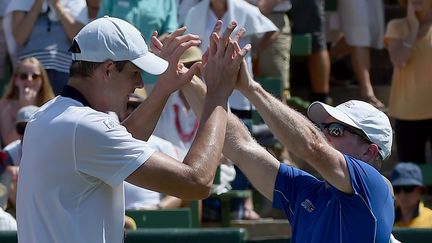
(71, 25)
(143, 120)
(400, 51)
(294, 130)
(23, 23)
(254, 161)
(195, 92)
(170, 202)
(206, 149)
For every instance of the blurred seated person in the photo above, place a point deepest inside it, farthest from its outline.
(29, 85)
(408, 187)
(13, 149)
(7, 221)
(14, 152)
(44, 29)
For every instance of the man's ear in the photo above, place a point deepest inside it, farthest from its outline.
(371, 152)
(108, 66)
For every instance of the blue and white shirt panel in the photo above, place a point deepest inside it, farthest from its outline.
(318, 212)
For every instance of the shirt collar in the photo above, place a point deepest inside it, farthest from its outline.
(71, 92)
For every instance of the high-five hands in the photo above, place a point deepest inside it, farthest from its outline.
(221, 61)
(173, 46)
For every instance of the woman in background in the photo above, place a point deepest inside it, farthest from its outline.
(29, 85)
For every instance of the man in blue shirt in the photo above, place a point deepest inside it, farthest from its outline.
(353, 202)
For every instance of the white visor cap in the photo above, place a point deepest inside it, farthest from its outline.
(109, 38)
(364, 117)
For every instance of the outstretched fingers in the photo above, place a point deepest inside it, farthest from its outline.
(240, 33)
(243, 52)
(225, 39)
(155, 44)
(218, 26)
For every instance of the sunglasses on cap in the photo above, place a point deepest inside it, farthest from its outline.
(406, 189)
(27, 76)
(336, 129)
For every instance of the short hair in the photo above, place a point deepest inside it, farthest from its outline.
(85, 69)
(377, 162)
(403, 3)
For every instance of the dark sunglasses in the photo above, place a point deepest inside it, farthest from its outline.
(406, 189)
(20, 128)
(336, 129)
(27, 76)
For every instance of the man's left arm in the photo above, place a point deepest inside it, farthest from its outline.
(172, 79)
(297, 133)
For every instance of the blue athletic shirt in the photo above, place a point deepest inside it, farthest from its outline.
(318, 212)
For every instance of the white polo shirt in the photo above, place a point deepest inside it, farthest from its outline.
(74, 162)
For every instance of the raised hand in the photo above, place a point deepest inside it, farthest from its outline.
(173, 46)
(413, 22)
(222, 60)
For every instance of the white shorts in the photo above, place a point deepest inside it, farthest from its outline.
(362, 22)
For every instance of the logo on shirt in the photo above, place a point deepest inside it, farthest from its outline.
(307, 204)
(109, 123)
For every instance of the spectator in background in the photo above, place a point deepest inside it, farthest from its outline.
(44, 29)
(147, 17)
(183, 7)
(407, 181)
(308, 16)
(14, 151)
(409, 43)
(93, 7)
(362, 25)
(3, 47)
(29, 85)
(7, 221)
(5, 178)
(274, 60)
(11, 45)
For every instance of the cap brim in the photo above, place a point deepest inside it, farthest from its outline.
(318, 112)
(406, 182)
(151, 63)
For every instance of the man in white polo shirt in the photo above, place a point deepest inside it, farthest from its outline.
(76, 156)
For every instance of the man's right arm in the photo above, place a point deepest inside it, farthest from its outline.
(297, 133)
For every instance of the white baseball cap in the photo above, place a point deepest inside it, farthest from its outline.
(109, 38)
(362, 116)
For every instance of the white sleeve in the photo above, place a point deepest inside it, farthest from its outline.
(78, 9)
(104, 149)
